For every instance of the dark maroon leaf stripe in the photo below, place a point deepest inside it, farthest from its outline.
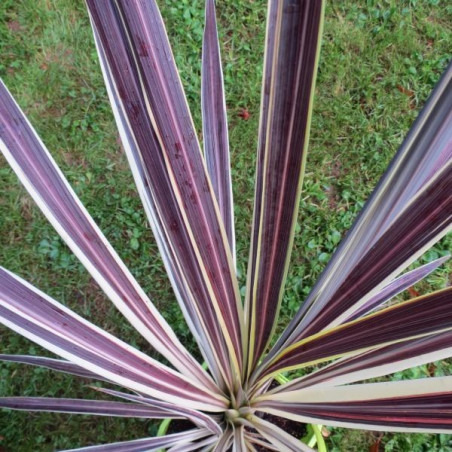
(202, 420)
(67, 214)
(422, 316)
(81, 406)
(289, 74)
(60, 328)
(394, 355)
(430, 411)
(425, 218)
(215, 124)
(144, 76)
(174, 272)
(425, 152)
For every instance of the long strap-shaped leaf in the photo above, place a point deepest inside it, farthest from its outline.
(292, 50)
(397, 286)
(144, 77)
(44, 181)
(407, 406)
(83, 406)
(215, 123)
(415, 318)
(41, 319)
(202, 420)
(51, 363)
(147, 444)
(425, 220)
(425, 152)
(377, 363)
(175, 273)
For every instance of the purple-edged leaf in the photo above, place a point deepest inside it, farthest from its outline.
(404, 202)
(215, 123)
(423, 405)
(200, 419)
(148, 444)
(415, 318)
(41, 319)
(153, 114)
(397, 286)
(377, 363)
(50, 363)
(292, 50)
(44, 181)
(82, 406)
(175, 274)
(427, 219)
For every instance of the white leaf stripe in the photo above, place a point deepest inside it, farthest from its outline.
(37, 316)
(172, 264)
(84, 406)
(171, 157)
(215, 125)
(44, 181)
(363, 392)
(422, 405)
(423, 153)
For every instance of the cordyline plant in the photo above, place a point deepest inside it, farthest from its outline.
(346, 321)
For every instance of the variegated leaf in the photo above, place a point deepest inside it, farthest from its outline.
(411, 201)
(292, 51)
(44, 181)
(41, 319)
(423, 405)
(215, 123)
(153, 115)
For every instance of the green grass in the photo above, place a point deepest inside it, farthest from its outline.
(380, 60)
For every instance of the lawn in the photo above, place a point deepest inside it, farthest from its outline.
(379, 62)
